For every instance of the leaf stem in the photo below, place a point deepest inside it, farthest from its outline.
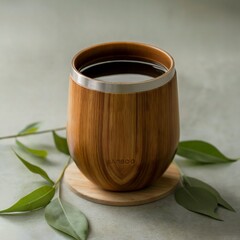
(180, 170)
(184, 179)
(62, 173)
(33, 133)
(181, 173)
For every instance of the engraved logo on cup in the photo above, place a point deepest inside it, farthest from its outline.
(122, 161)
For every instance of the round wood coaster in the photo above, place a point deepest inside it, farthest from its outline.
(88, 190)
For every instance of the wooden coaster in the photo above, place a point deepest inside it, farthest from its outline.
(88, 190)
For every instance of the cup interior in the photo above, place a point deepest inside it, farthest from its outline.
(122, 50)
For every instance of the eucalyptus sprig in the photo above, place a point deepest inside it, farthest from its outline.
(35, 200)
(197, 196)
(66, 218)
(59, 214)
(194, 194)
(202, 152)
(35, 169)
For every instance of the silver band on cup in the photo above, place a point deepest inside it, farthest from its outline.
(108, 87)
(116, 87)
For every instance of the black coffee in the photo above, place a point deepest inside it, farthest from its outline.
(123, 71)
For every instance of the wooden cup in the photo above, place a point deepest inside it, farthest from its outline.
(123, 136)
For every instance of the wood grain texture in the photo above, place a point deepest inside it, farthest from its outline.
(123, 142)
(88, 190)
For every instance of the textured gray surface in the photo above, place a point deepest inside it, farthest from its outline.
(37, 42)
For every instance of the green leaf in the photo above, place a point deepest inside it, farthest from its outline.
(30, 128)
(201, 151)
(35, 152)
(35, 169)
(193, 182)
(39, 198)
(60, 143)
(197, 200)
(66, 218)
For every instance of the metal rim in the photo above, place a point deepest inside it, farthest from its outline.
(112, 87)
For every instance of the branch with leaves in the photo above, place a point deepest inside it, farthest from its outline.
(59, 214)
(196, 195)
(193, 194)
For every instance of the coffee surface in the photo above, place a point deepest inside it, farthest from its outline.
(123, 71)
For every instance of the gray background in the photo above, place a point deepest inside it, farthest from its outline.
(37, 42)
